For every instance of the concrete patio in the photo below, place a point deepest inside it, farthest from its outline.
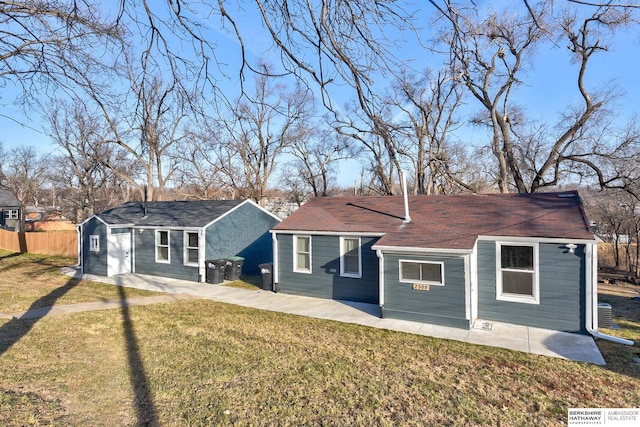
(514, 337)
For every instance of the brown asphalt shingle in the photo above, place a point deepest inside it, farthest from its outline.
(445, 222)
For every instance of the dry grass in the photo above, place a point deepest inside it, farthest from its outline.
(32, 281)
(196, 363)
(624, 298)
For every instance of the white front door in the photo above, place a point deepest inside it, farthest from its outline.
(119, 254)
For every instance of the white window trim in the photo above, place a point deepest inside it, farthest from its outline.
(186, 248)
(500, 296)
(295, 255)
(11, 214)
(426, 282)
(94, 243)
(157, 245)
(357, 275)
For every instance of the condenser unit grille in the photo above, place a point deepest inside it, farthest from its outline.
(605, 319)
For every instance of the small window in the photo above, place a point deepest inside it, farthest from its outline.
(302, 254)
(162, 246)
(94, 243)
(191, 248)
(350, 257)
(516, 276)
(11, 214)
(428, 272)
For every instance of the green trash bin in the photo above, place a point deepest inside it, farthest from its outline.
(233, 269)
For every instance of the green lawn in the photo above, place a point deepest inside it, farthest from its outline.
(197, 362)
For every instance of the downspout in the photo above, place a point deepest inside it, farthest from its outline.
(381, 281)
(276, 279)
(591, 315)
(80, 241)
(202, 245)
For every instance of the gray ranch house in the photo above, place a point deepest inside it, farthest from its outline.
(174, 239)
(10, 211)
(526, 259)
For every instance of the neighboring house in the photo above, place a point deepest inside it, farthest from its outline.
(10, 207)
(527, 259)
(174, 239)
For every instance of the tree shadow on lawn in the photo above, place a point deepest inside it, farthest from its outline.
(14, 330)
(17, 328)
(145, 408)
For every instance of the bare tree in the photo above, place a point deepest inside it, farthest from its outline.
(45, 42)
(80, 173)
(317, 154)
(23, 172)
(261, 127)
(490, 54)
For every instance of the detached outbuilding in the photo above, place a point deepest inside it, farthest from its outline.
(174, 239)
(527, 259)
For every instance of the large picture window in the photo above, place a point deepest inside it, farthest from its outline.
(191, 248)
(350, 257)
(428, 272)
(162, 246)
(302, 254)
(517, 272)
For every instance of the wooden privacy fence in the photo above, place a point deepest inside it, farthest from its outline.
(63, 243)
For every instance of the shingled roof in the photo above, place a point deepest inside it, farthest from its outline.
(185, 213)
(7, 199)
(445, 222)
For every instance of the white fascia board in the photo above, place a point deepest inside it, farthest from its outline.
(538, 239)
(329, 233)
(431, 251)
(90, 218)
(251, 202)
(261, 208)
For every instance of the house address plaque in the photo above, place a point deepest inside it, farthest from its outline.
(420, 287)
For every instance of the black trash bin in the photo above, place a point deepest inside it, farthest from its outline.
(215, 270)
(234, 268)
(267, 276)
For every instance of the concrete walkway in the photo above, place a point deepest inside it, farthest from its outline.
(495, 334)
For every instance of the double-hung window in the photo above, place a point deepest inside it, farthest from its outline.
(191, 248)
(94, 243)
(162, 246)
(517, 272)
(427, 272)
(350, 257)
(302, 254)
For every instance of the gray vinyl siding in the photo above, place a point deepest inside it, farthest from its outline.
(562, 290)
(94, 262)
(325, 280)
(146, 258)
(245, 233)
(440, 305)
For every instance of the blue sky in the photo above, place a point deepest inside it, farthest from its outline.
(549, 90)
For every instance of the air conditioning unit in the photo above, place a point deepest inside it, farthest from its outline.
(605, 317)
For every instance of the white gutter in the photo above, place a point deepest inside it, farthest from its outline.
(380, 277)
(591, 320)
